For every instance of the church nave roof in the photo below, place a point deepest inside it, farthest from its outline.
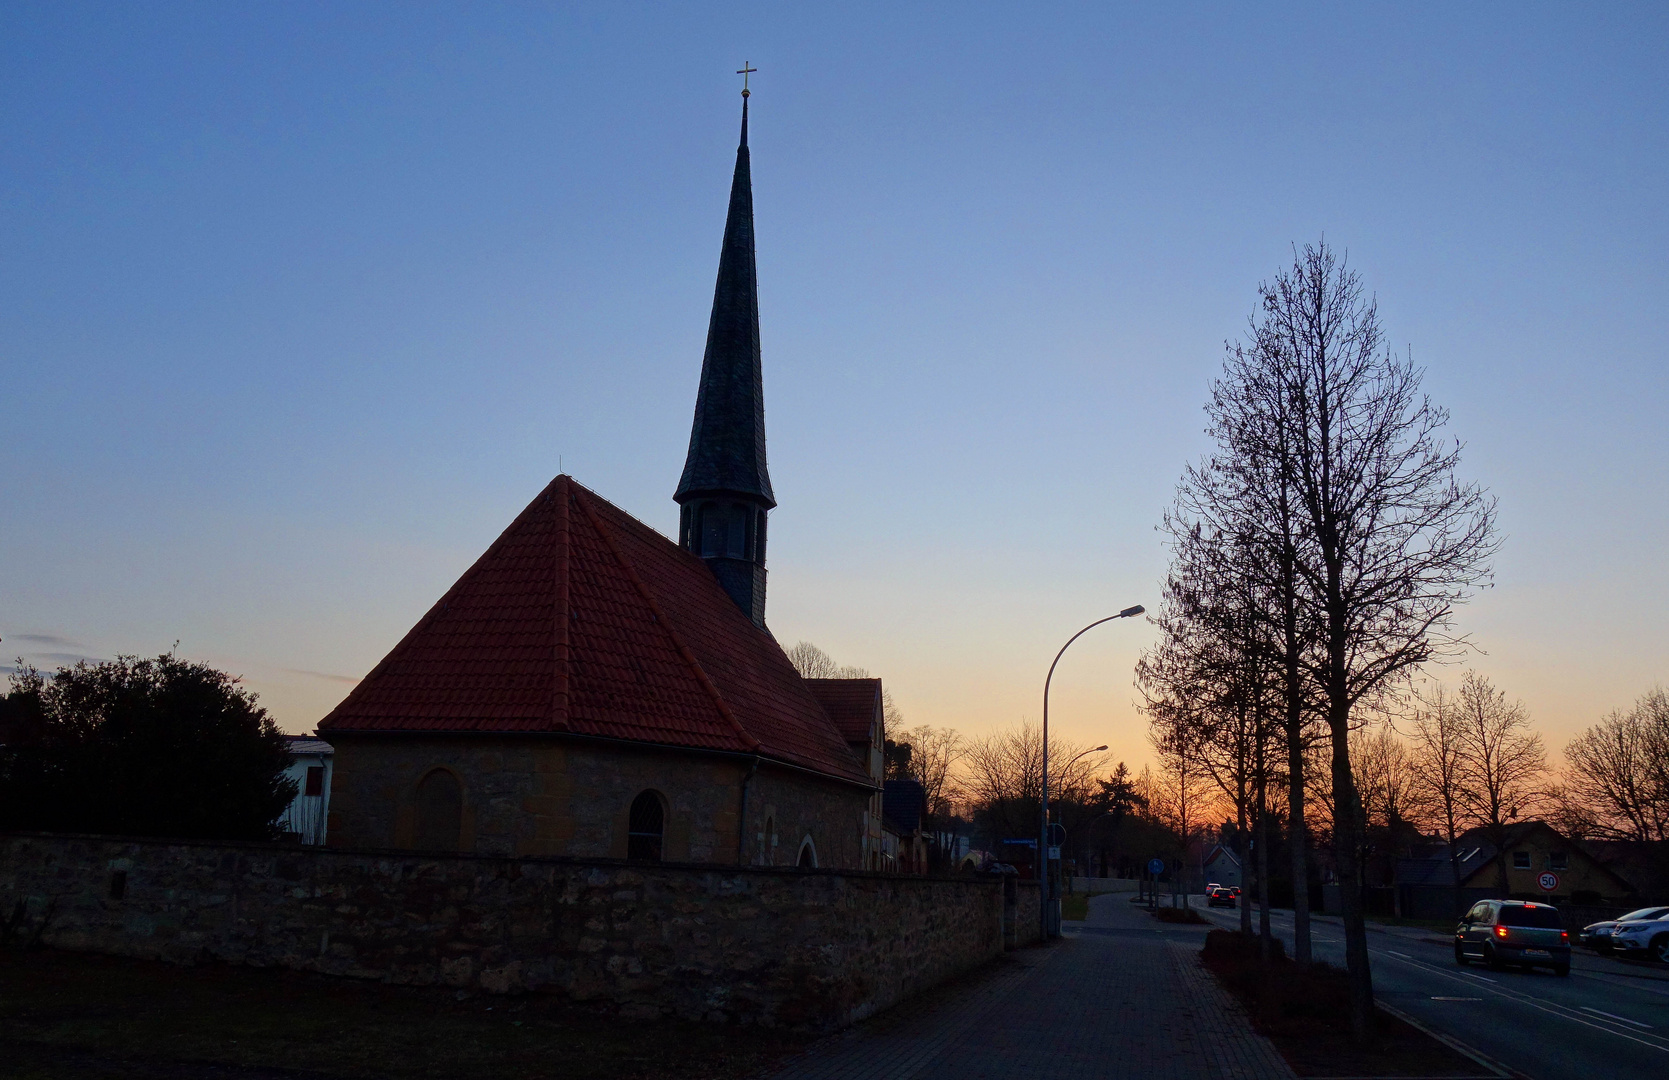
(582, 619)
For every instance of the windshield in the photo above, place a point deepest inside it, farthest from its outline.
(1544, 918)
(1645, 913)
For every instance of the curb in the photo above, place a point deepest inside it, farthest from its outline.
(1453, 1043)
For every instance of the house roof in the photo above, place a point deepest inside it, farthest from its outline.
(581, 619)
(902, 804)
(308, 744)
(1476, 853)
(1430, 871)
(1218, 851)
(853, 705)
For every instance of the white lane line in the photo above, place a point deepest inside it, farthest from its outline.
(1560, 1011)
(1404, 955)
(1614, 1016)
(1434, 997)
(1480, 978)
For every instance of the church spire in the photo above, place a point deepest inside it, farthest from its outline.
(725, 490)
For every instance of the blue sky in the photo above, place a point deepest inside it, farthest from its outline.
(301, 303)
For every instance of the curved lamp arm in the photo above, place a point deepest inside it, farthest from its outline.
(1043, 802)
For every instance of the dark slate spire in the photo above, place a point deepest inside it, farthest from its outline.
(725, 491)
(727, 441)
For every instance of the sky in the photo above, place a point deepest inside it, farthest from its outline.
(301, 303)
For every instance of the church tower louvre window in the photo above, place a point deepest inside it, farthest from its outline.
(725, 492)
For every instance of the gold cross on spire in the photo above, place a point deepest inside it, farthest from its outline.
(744, 73)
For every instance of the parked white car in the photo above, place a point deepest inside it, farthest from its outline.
(1597, 936)
(1642, 939)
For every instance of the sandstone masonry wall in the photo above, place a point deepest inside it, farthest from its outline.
(813, 948)
(530, 797)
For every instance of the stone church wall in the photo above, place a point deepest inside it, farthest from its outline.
(532, 796)
(812, 948)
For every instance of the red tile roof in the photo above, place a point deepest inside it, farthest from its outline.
(853, 704)
(582, 619)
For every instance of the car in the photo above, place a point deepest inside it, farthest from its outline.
(1220, 897)
(1211, 887)
(1502, 932)
(1597, 936)
(1637, 939)
(1235, 889)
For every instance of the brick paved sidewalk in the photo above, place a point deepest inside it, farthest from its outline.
(1120, 996)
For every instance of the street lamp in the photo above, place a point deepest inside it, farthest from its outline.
(1046, 899)
(1075, 759)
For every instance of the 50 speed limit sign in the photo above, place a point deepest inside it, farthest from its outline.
(1548, 880)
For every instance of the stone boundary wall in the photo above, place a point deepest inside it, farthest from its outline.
(801, 948)
(1098, 885)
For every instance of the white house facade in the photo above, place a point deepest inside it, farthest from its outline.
(310, 767)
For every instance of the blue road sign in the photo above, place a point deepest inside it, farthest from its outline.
(1156, 866)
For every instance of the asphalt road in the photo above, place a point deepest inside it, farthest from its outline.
(1608, 1018)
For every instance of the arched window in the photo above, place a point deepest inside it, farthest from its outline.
(440, 812)
(645, 827)
(808, 855)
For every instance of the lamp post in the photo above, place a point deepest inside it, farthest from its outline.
(1046, 898)
(1075, 759)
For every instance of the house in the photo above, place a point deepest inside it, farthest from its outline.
(857, 710)
(1643, 864)
(904, 813)
(1540, 863)
(1220, 866)
(592, 688)
(310, 768)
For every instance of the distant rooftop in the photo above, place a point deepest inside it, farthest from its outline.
(308, 744)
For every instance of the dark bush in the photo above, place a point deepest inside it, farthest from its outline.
(1284, 998)
(140, 747)
(1177, 915)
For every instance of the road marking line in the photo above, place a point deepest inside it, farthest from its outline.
(1404, 955)
(1480, 978)
(1563, 1012)
(1436, 998)
(1614, 1016)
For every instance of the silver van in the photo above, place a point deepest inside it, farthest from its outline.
(1502, 932)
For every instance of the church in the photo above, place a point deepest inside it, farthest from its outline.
(589, 688)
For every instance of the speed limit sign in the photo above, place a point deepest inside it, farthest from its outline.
(1548, 880)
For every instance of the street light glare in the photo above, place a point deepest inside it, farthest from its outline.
(1130, 612)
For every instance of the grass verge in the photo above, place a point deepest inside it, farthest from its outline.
(1075, 906)
(1305, 1012)
(1177, 915)
(71, 1016)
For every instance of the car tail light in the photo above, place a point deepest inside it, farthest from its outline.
(1564, 935)
(1500, 931)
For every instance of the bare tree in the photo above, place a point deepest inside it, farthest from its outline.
(1002, 778)
(1182, 787)
(1392, 806)
(1440, 773)
(1503, 760)
(1387, 541)
(1391, 796)
(813, 663)
(1618, 772)
(1200, 681)
(1248, 490)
